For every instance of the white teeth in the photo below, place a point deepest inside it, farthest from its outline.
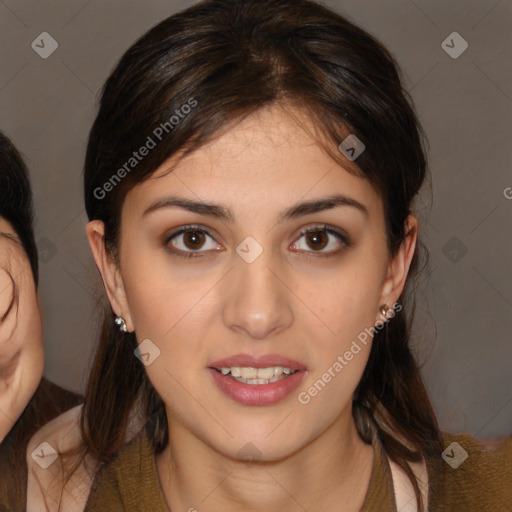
(278, 370)
(264, 373)
(251, 375)
(254, 381)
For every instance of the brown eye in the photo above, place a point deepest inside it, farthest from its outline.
(193, 239)
(317, 239)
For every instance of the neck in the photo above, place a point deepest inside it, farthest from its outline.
(332, 472)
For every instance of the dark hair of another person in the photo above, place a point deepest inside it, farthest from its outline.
(49, 400)
(234, 57)
(16, 199)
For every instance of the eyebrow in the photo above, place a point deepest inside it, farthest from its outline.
(221, 212)
(12, 238)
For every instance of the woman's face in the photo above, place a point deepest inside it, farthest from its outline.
(21, 331)
(243, 286)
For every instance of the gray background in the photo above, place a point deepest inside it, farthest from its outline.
(464, 320)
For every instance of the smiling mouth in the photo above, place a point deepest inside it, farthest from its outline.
(249, 375)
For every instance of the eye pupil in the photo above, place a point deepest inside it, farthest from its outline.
(195, 237)
(316, 238)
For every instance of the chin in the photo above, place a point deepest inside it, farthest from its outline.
(260, 444)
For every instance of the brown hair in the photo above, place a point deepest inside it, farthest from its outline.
(233, 57)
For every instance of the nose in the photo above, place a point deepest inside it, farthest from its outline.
(258, 302)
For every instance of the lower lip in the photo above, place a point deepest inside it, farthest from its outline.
(257, 394)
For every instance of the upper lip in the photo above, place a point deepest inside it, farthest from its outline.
(263, 361)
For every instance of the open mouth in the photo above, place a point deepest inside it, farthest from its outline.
(249, 375)
(260, 381)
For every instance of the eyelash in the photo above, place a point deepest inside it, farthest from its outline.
(315, 229)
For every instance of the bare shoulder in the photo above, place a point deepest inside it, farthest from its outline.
(59, 478)
(404, 491)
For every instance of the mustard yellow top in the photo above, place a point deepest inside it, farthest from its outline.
(481, 483)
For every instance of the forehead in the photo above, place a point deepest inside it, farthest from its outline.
(270, 156)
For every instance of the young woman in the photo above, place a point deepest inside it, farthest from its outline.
(249, 181)
(21, 333)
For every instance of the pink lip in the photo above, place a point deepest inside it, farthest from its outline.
(257, 362)
(257, 394)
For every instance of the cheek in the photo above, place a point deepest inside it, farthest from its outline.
(6, 291)
(30, 330)
(163, 300)
(30, 310)
(22, 329)
(345, 301)
(339, 357)
(176, 312)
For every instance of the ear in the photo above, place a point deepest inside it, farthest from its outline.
(110, 271)
(398, 268)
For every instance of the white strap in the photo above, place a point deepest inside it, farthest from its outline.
(404, 492)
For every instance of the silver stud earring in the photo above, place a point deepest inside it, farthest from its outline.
(121, 323)
(384, 310)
